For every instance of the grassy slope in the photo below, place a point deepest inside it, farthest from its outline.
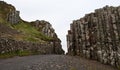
(30, 33)
(26, 32)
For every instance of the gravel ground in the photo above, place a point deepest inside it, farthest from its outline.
(51, 62)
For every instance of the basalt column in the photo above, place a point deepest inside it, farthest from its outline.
(97, 36)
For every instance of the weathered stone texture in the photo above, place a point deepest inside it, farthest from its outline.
(97, 36)
(9, 45)
(47, 29)
(13, 17)
(9, 13)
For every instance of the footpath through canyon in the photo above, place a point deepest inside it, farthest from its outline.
(51, 62)
(35, 45)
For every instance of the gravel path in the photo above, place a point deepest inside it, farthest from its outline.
(51, 62)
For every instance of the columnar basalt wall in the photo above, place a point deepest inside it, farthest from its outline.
(97, 36)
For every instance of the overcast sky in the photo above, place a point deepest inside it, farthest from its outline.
(60, 13)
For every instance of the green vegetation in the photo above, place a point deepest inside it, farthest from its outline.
(15, 53)
(1, 20)
(72, 68)
(118, 67)
(19, 53)
(22, 31)
(27, 31)
(30, 33)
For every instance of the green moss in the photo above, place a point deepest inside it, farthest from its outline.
(23, 53)
(118, 67)
(7, 55)
(72, 68)
(2, 20)
(31, 39)
(18, 53)
(15, 53)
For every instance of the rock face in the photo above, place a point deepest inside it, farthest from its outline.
(47, 29)
(9, 45)
(13, 17)
(97, 36)
(41, 36)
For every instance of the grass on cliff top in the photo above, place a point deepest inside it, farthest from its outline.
(30, 33)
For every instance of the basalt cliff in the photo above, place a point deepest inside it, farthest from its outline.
(18, 36)
(97, 36)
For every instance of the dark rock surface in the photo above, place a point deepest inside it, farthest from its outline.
(51, 62)
(97, 36)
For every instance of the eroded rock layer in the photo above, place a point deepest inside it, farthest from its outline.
(97, 36)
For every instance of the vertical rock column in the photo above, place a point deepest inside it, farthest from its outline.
(13, 17)
(97, 36)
